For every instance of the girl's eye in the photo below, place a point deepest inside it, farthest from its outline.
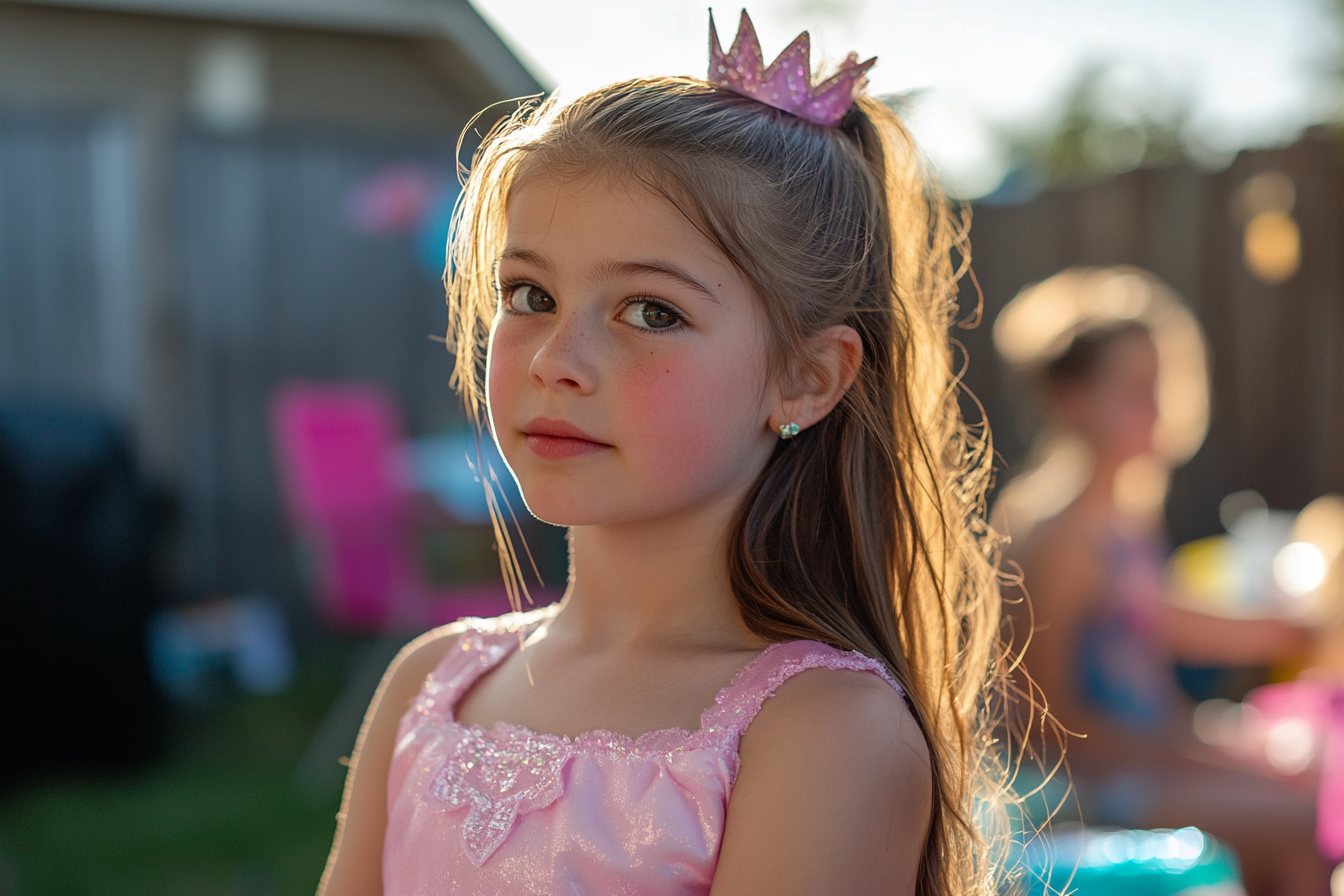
(649, 315)
(528, 299)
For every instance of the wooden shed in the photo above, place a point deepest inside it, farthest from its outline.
(183, 225)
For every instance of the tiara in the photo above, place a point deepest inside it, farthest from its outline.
(787, 83)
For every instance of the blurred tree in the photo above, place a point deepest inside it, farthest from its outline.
(1335, 10)
(1106, 125)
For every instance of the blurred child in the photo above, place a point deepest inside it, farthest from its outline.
(717, 325)
(1105, 635)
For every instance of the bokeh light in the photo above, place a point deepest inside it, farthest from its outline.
(1272, 246)
(1321, 523)
(1271, 238)
(1290, 745)
(1299, 568)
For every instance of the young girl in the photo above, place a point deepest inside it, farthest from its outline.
(708, 321)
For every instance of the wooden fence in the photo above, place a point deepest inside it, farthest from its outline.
(1277, 351)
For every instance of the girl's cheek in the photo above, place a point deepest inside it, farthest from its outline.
(506, 367)
(688, 410)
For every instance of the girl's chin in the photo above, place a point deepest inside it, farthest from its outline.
(588, 509)
(563, 510)
(571, 517)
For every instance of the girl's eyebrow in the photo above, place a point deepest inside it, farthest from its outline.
(659, 269)
(655, 267)
(528, 256)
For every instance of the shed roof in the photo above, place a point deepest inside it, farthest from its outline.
(454, 20)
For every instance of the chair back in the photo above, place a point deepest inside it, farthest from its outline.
(346, 496)
(1330, 801)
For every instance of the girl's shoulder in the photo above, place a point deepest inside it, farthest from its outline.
(489, 627)
(784, 661)
(811, 685)
(508, 624)
(440, 650)
(835, 764)
(355, 864)
(825, 701)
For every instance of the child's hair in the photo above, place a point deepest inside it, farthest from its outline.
(867, 530)
(1087, 348)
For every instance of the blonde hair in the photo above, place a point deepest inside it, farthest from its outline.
(867, 530)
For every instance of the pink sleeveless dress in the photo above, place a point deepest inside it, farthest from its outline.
(509, 812)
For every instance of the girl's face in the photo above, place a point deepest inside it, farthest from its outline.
(1115, 408)
(626, 378)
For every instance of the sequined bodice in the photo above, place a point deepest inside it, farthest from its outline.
(506, 810)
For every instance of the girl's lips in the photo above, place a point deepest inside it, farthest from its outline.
(561, 447)
(557, 440)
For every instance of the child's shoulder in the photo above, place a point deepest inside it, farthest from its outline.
(835, 760)
(424, 654)
(508, 624)
(841, 702)
(834, 701)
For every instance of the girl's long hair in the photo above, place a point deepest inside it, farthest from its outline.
(867, 530)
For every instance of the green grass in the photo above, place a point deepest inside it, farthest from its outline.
(221, 813)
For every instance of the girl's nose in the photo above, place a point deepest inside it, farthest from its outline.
(565, 359)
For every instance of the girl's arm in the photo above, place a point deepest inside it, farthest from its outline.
(355, 865)
(834, 793)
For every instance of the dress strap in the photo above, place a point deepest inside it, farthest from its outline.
(738, 703)
(475, 651)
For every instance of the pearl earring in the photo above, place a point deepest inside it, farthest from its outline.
(788, 430)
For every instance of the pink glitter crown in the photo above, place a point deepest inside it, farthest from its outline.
(787, 83)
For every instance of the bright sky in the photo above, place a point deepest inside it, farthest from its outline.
(1254, 68)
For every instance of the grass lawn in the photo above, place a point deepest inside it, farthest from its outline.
(220, 813)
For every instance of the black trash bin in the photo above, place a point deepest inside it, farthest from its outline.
(78, 583)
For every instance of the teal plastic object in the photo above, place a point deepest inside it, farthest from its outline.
(1110, 862)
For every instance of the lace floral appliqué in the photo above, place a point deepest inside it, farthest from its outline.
(499, 775)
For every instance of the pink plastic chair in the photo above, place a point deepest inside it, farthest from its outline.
(348, 501)
(1330, 805)
(1321, 705)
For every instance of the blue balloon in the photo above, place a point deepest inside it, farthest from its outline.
(431, 238)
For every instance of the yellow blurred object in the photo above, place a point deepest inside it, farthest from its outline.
(1322, 523)
(1201, 573)
(1268, 566)
(1272, 247)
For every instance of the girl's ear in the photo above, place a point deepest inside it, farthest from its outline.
(820, 380)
